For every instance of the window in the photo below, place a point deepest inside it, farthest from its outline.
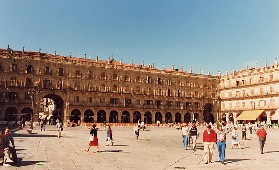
(76, 98)
(114, 77)
(28, 82)
(47, 71)
(158, 103)
(127, 102)
(90, 100)
(60, 72)
(148, 102)
(126, 78)
(114, 88)
(29, 69)
(149, 80)
(12, 96)
(114, 101)
(102, 100)
(47, 84)
(78, 73)
(169, 103)
(103, 76)
(14, 67)
(159, 80)
(90, 74)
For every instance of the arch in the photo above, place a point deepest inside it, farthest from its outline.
(101, 116)
(113, 117)
(177, 117)
(147, 118)
(75, 116)
(168, 117)
(211, 118)
(10, 114)
(158, 117)
(207, 112)
(196, 117)
(187, 117)
(88, 116)
(125, 117)
(58, 106)
(136, 117)
(26, 113)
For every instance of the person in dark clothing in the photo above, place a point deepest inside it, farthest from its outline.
(194, 134)
(93, 139)
(9, 145)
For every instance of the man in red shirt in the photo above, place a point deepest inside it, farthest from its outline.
(261, 133)
(209, 138)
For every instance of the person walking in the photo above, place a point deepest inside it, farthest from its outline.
(93, 139)
(221, 142)
(9, 147)
(59, 127)
(209, 138)
(194, 135)
(109, 136)
(235, 140)
(185, 133)
(243, 131)
(136, 130)
(261, 133)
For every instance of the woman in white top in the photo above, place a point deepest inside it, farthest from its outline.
(185, 134)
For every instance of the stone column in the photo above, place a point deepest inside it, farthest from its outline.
(153, 117)
(268, 118)
(163, 118)
(193, 117)
(131, 117)
(234, 117)
(227, 117)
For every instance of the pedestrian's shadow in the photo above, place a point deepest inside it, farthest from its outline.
(33, 135)
(30, 163)
(271, 151)
(120, 145)
(228, 161)
(107, 151)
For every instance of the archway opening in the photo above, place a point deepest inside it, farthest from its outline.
(177, 118)
(168, 117)
(148, 118)
(52, 105)
(75, 116)
(88, 116)
(196, 117)
(125, 117)
(207, 113)
(136, 117)
(26, 114)
(158, 117)
(113, 117)
(10, 114)
(101, 116)
(187, 118)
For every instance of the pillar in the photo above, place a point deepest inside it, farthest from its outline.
(153, 117)
(268, 118)
(234, 118)
(131, 117)
(227, 117)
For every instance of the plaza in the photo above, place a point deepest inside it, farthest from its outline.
(158, 148)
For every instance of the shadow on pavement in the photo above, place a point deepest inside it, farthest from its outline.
(111, 151)
(33, 135)
(120, 145)
(271, 151)
(228, 161)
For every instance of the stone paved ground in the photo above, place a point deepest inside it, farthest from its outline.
(156, 149)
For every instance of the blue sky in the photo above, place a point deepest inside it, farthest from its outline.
(207, 34)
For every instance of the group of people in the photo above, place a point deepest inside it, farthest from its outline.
(93, 138)
(218, 136)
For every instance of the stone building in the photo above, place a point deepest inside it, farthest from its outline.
(250, 95)
(86, 90)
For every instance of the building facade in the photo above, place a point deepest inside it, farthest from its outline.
(250, 95)
(86, 90)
